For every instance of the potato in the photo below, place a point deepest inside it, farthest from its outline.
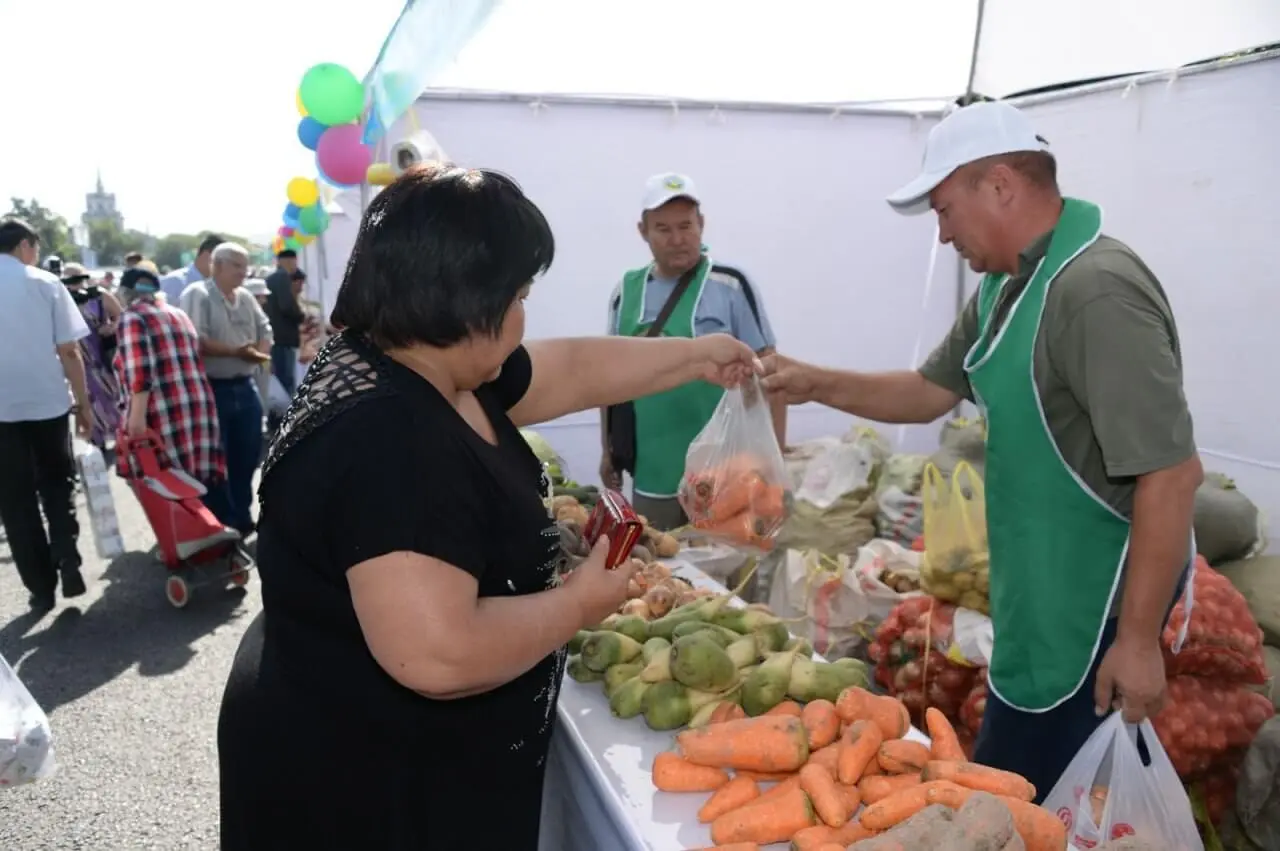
(641, 553)
(925, 829)
(559, 502)
(982, 824)
(637, 607)
(666, 546)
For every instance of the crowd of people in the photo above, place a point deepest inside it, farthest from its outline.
(189, 358)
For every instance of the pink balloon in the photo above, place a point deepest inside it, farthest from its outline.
(342, 157)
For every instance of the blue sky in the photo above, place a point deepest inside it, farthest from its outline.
(188, 109)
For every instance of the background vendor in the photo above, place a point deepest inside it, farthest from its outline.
(1070, 349)
(699, 297)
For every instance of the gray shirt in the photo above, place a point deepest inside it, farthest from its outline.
(37, 315)
(234, 320)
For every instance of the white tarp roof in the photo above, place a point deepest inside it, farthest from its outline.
(841, 51)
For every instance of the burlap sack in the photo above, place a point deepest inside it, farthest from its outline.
(1272, 689)
(1228, 525)
(1258, 579)
(835, 505)
(900, 507)
(961, 439)
(1258, 795)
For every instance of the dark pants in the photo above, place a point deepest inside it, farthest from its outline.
(662, 514)
(240, 421)
(37, 469)
(284, 366)
(1040, 746)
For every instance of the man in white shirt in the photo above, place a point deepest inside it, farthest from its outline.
(41, 327)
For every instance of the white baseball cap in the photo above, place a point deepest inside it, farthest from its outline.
(967, 135)
(662, 188)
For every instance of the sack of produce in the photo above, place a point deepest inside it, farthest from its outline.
(962, 440)
(918, 661)
(1228, 525)
(956, 562)
(975, 704)
(1271, 655)
(834, 508)
(1213, 793)
(735, 487)
(836, 602)
(1257, 804)
(900, 516)
(26, 743)
(1106, 792)
(1203, 722)
(1258, 579)
(1223, 641)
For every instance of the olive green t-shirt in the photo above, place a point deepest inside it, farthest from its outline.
(1107, 364)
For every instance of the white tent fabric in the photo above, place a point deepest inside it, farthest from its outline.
(841, 51)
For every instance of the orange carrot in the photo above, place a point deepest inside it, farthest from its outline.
(900, 756)
(1040, 829)
(897, 808)
(873, 769)
(828, 758)
(732, 846)
(775, 820)
(783, 787)
(673, 773)
(851, 796)
(736, 793)
(831, 846)
(981, 778)
(948, 794)
(727, 711)
(813, 838)
(877, 788)
(768, 743)
(857, 750)
(828, 801)
(891, 715)
(822, 722)
(945, 742)
(745, 528)
(852, 704)
(787, 707)
(764, 776)
(735, 496)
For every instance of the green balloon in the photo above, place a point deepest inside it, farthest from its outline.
(292, 244)
(313, 220)
(331, 94)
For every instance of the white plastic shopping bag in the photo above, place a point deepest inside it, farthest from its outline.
(102, 507)
(26, 743)
(1107, 793)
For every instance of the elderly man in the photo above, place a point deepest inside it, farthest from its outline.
(1069, 348)
(235, 339)
(174, 284)
(42, 329)
(680, 293)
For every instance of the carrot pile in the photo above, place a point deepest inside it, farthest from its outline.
(834, 775)
(736, 501)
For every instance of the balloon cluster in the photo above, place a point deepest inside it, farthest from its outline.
(330, 101)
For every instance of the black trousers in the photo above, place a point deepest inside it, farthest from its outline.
(37, 468)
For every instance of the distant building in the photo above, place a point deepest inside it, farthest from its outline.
(100, 206)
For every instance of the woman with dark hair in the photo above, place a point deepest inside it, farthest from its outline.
(399, 689)
(101, 311)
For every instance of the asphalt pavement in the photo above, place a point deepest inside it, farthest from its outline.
(131, 686)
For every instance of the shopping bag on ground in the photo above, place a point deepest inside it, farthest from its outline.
(26, 744)
(956, 562)
(735, 486)
(1107, 793)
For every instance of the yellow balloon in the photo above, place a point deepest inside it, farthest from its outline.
(303, 191)
(304, 238)
(297, 101)
(380, 174)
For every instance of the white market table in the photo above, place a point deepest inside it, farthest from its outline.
(599, 793)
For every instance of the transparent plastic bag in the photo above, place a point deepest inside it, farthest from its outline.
(956, 562)
(1107, 793)
(735, 485)
(26, 743)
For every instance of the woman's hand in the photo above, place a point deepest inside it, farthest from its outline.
(726, 361)
(136, 426)
(598, 590)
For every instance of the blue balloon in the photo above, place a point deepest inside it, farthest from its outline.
(309, 132)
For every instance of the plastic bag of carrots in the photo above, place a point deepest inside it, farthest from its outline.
(735, 486)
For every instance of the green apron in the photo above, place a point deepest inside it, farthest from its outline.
(1057, 549)
(667, 422)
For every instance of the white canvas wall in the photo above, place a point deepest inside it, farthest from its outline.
(795, 200)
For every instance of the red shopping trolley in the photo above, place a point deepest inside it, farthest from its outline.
(193, 544)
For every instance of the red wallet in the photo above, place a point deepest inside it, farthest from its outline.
(614, 516)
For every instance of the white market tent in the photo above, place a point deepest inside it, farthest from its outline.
(796, 120)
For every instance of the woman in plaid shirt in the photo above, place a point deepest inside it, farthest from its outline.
(164, 386)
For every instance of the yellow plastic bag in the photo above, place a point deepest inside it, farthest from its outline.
(956, 564)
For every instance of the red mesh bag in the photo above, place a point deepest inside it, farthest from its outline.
(1217, 787)
(908, 652)
(975, 704)
(1204, 721)
(1223, 640)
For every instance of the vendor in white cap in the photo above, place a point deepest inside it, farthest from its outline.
(1070, 350)
(680, 293)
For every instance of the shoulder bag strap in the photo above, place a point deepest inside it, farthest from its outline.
(669, 306)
